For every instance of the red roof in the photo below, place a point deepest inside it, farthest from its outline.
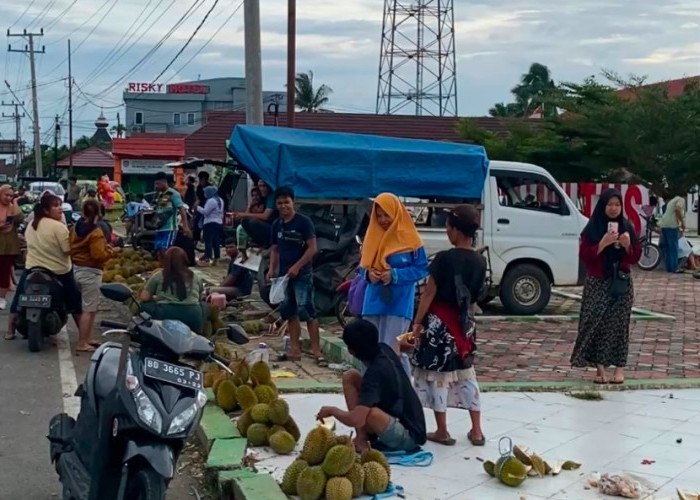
(92, 157)
(149, 147)
(210, 140)
(674, 88)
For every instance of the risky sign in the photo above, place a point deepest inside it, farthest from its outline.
(145, 88)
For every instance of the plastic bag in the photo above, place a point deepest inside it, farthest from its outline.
(278, 290)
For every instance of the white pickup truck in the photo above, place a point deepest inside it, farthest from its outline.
(531, 228)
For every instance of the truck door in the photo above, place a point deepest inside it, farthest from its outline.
(530, 219)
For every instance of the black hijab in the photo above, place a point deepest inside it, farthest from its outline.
(598, 225)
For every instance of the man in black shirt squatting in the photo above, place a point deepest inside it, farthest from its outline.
(293, 247)
(382, 405)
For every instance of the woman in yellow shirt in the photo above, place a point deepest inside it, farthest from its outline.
(48, 246)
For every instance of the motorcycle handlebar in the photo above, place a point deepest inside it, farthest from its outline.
(220, 359)
(113, 324)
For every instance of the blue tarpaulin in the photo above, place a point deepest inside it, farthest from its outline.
(337, 165)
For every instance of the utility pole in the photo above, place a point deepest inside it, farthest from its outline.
(70, 115)
(253, 63)
(291, 60)
(56, 133)
(35, 103)
(18, 128)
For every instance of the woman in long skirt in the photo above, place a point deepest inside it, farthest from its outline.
(608, 249)
(445, 332)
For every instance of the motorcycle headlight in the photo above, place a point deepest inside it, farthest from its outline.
(147, 412)
(180, 423)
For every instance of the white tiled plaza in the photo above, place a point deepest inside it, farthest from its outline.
(614, 435)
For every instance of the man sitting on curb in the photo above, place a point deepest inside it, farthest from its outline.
(238, 281)
(382, 405)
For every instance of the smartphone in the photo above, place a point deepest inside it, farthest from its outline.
(613, 227)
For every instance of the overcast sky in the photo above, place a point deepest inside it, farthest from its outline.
(496, 42)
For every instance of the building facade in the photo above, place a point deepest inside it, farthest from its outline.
(181, 108)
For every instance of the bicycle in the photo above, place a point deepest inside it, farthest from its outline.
(651, 252)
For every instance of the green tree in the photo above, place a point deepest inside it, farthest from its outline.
(118, 130)
(530, 95)
(308, 98)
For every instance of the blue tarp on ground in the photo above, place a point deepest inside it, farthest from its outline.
(337, 165)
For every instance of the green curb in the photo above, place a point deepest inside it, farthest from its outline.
(227, 453)
(215, 424)
(246, 485)
(301, 386)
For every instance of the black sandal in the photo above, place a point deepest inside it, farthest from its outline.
(286, 357)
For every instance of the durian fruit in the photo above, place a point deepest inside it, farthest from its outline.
(246, 397)
(345, 440)
(370, 455)
(282, 442)
(510, 471)
(274, 429)
(220, 349)
(376, 478)
(218, 378)
(243, 422)
(317, 443)
(240, 369)
(226, 396)
(209, 379)
(257, 434)
(311, 483)
(265, 394)
(291, 426)
(338, 488)
(119, 279)
(279, 412)
(261, 372)
(289, 480)
(252, 327)
(338, 460)
(356, 475)
(108, 276)
(260, 413)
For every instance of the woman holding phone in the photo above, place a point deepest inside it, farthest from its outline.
(608, 249)
(10, 217)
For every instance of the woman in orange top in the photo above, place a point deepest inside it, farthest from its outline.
(89, 252)
(10, 217)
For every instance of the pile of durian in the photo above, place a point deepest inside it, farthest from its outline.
(127, 266)
(329, 468)
(265, 419)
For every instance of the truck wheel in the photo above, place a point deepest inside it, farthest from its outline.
(34, 336)
(145, 484)
(525, 290)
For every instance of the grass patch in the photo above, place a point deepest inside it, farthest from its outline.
(586, 395)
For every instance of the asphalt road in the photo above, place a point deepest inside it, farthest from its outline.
(32, 386)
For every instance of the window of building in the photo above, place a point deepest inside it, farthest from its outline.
(190, 118)
(138, 118)
(529, 192)
(176, 119)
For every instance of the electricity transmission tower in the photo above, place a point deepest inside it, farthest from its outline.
(417, 63)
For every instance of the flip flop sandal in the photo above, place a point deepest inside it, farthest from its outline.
(476, 442)
(10, 337)
(617, 382)
(444, 442)
(600, 381)
(321, 362)
(95, 343)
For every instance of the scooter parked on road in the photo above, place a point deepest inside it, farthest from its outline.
(41, 308)
(139, 403)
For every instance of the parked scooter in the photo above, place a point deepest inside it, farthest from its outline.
(41, 308)
(139, 403)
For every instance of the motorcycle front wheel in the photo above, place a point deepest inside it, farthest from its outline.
(145, 484)
(341, 309)
(35, 338)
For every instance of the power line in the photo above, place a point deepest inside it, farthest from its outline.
(228, 19)
(114, 3)
(119, 45)
(153, 50)
(22, 14)
(42, 14)
(61, 15)
(64, 37)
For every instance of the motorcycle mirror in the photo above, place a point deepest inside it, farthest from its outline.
(117, 292)
(236, 334)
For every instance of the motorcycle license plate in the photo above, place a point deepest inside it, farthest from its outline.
(40, 301)
(173, 374)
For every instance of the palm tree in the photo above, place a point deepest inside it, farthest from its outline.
(532, 89)
(502, 110)
(118, 130)
(308, 99)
